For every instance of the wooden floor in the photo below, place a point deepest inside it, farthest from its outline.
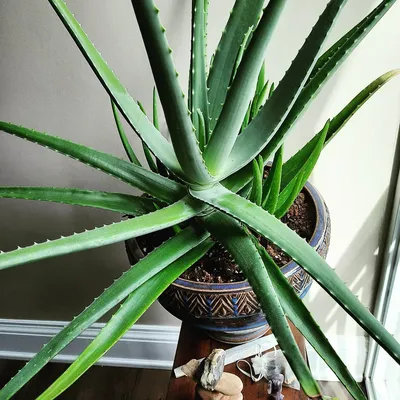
(99, 383)
(111, 383)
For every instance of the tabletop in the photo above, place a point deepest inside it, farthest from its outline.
(194, 343)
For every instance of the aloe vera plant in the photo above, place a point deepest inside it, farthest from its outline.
(208, 181)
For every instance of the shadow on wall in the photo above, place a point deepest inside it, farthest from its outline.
(357, 268)
(57, 288)
(310, 123)
(360, 265)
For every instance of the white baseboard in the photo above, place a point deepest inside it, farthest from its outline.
(143, 346)
(149, 346)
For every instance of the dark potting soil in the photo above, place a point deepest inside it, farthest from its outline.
(217, 266)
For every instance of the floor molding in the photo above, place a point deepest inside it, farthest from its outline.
(149, 346)
(143, 346)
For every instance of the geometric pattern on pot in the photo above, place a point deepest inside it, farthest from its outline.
(243, 303)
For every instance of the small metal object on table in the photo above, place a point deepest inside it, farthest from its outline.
(193, 343)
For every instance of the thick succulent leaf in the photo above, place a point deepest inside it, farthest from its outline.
(129, 312)
(324, 70)
(119, 202)
(263, 128)
(242, 90)
(198, 77)
(271, 90)
(298, 313)
(128, 107)
(172, 99)
(264, 94)
(242, 177)
(136, 276)
(155, 110)
(292, 190)
(260, 80)
(201, 130)
(153, 184)
(206, 7)
(246, 119)
(245, 253)
(297, 248)
(254, 108)
(245, 14)
(256, 190)
(272, 184)
(340, 50)
(149, 158)
(125, 142)
(162, 170)
(178, 212)
(355, 104)
(292, 165)
(291, 193)
(242, 49)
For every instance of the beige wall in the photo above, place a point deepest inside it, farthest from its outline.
(46, 84)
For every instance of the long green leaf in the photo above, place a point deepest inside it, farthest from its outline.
(246, 119)
(355, 104)
(125, 142)
(162, 170)
(145, 269)
(245, 253)
(263, 128)
(156, 185)
(202, 136)
(171, 95)
(242, 90)
(290, 192)
(178, 212)
(291, 166)
(119, 202)
(264, 94)
(297, 312)
(242, 177)
(297, 248)
(340, 50)
(272, 184)
(256, 190)
(324, 70)
(130, 311)
(245, 13)
(206, 7)
(149, 158)
(260, 80)
(198, 77)
(155, 110)
(242, 49)
(128, 107)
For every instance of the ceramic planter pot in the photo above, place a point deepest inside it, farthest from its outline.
(229, 312)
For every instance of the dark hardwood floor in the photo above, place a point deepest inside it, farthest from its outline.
(99, 383)
(111, 383)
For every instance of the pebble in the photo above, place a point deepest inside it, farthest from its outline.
(207, 395)
(229, 384)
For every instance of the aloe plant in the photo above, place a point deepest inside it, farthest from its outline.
(209, 178)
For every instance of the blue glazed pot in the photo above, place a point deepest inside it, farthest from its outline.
(229, 312)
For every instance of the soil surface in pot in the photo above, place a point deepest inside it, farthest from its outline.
(218, 267)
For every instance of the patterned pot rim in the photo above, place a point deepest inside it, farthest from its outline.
(288, 269)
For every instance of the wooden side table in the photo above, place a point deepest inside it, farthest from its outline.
(194, 343)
